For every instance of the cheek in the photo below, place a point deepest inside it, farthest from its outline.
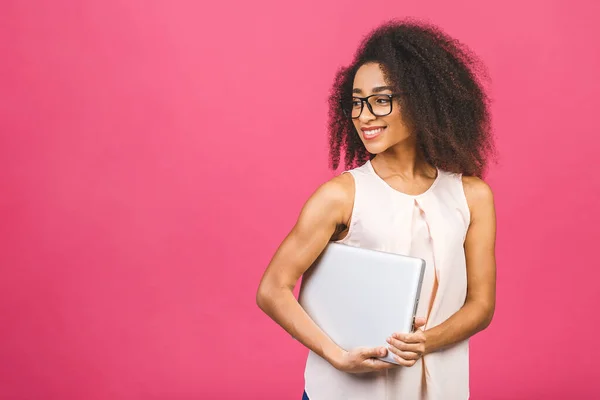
(397, 125)
(355, 123)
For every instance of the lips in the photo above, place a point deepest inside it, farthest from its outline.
(372, 132)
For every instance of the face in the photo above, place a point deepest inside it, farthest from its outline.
(378, 133)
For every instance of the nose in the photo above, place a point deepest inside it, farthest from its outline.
(366, 115)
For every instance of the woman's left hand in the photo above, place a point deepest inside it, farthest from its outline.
(408, 347)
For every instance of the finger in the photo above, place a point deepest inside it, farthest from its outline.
(368, 352)
(404, 362)
(403, 346)
(406, 355)
(419, 322)
(416, 337)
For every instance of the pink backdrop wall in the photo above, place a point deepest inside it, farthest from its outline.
(154, 154)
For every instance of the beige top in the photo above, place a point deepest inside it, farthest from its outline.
(432, 226)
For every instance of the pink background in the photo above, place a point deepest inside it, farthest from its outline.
(154, 154)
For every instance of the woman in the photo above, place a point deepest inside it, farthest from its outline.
(412, 119)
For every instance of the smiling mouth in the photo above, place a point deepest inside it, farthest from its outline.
(372, 133)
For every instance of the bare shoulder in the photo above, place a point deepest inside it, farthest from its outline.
(339, 189)
(336, 195)
(478, 193)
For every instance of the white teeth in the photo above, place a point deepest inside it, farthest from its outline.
(373, 132)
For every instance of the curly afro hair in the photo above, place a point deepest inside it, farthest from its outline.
(444, 102)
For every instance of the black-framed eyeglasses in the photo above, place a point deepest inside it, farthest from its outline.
(379, 105)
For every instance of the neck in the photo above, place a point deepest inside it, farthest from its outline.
(404, 159)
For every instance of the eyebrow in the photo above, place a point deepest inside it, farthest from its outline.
(376, 89)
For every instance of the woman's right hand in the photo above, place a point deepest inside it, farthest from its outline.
(363, 359)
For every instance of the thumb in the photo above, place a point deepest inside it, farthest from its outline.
(419, 322)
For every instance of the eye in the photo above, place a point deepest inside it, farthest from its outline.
(382, 100)
(356, 103)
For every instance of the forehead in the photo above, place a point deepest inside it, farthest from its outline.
(368, 77)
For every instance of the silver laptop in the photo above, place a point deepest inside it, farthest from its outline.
(359, 297)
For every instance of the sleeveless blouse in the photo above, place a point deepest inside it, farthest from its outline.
(431, 226)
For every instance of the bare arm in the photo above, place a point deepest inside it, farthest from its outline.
(328, 209)
(478, 310)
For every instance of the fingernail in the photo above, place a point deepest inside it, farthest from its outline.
(389, 340)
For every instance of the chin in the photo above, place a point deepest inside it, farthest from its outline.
(376, 148)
